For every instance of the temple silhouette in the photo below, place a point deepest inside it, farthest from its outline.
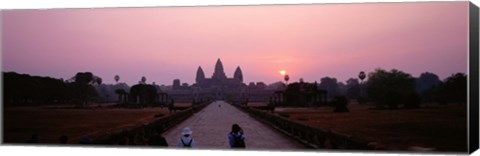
(219, 86)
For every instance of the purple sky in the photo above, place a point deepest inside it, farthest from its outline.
(308, 41)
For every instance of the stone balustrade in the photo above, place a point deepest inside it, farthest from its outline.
(311, 136)
(138, 134)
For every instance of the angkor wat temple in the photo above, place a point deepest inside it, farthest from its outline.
(219, 86)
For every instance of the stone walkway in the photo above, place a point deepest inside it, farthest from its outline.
(211, 125)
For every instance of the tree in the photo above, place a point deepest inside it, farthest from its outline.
(353, 88)
(427, 85)
(391, 88)
(23, 89)
(144, 80)
(352, 82)
(82, 87)
(103, 91)
(117, 78)
(98, 81)
(286, 78)
(361, 98)
(342, 88)
(426, 81)
(361, 75)
(454, 89)
(340, 103)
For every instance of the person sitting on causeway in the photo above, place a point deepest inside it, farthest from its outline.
(186, 141)
(236, 139)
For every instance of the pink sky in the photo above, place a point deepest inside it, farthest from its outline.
(308, 41)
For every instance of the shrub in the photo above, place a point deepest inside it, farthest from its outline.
(412, 100)
(340, 103)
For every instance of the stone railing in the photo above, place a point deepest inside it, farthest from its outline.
(310, 136)
(139, 134)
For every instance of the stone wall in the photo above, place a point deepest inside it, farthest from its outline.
(311, 136)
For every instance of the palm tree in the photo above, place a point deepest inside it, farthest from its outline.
(286, 78)
(97, 80)
(362, 76)
(118, 91)
(144, 79)
(117, 78)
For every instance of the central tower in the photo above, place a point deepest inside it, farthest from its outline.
(219, 74)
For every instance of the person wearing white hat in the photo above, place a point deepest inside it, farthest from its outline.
(186, 141)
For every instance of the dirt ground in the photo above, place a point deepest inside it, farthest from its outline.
(443, 128)
(49, 123)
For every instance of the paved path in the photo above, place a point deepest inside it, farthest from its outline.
(211, 125)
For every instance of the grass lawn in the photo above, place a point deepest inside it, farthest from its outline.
(52, 122)
(443, 127)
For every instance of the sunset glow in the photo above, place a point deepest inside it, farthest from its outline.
(283, 72)
(167, 43)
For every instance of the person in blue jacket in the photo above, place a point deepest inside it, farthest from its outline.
(236, 138)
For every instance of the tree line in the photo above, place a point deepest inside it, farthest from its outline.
(396, 88)
(80, 90)
(23, 89)
(384, 88)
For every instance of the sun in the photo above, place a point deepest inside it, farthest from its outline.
(283, 72)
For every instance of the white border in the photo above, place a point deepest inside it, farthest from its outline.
(73, 151)
(48, 4)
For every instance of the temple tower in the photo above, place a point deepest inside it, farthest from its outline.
(219, 74)
(200, 75)
(238, 74)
